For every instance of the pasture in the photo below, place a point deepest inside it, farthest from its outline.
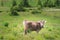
(11, 27)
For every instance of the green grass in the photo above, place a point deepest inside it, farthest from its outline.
(15, 30)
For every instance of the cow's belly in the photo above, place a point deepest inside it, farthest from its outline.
(33, 29)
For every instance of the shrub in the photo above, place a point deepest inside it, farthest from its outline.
(2, 3)
(1, 38)
(6, 24)
(13, 11)
(0, 11)
(14, 3)
(50, 29)
(20, 8)
(25, 3)
(29, 31)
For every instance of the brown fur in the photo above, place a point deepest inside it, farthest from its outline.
(33, 26)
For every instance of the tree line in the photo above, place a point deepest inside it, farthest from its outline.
(25, 3)
(42, 3)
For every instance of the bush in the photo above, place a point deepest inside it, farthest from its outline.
(20, 8)
(14, 3)
(0, 11)
(6, 24)
(25, 3)
(1, 38)
(13, 11)
(50, 30)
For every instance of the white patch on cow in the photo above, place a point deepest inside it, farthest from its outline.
(41, 24)
(24, 23)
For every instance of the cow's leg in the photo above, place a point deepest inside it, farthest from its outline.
(25, 31)
(37, 31)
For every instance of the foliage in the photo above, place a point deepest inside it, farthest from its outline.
(39, 3)
(20, 8)
(14, 8)
(13, 11)
(49, 3)
(57, 2)
(14, 3)
(25, 3)
(2, 3)
(29, 3)
(6, 24)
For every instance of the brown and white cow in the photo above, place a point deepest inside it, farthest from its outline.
(33, 26)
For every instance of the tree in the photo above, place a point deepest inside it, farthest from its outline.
(49, 3)
(25, 3)
(14, 3)
(14, 8)
(42, 3)
(39, 3)
(20, 8)
(57, 2)
(2, 3)
(13, 11)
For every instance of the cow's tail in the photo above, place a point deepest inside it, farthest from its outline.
(24, 23)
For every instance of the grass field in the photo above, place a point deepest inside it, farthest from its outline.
(15, 31)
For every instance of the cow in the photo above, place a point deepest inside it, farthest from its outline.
(33, 26)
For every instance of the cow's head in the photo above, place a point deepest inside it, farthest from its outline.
(42, 22)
